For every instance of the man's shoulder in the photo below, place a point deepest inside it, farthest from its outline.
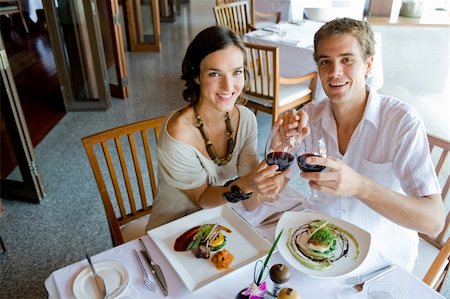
(390, 104)
(398, 112)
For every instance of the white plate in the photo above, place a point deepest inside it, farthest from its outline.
(114, 275)
(243, 236)
(261, 33)
(341, 267)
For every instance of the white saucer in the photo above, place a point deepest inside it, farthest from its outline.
(114, 275)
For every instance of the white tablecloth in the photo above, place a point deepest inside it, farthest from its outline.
(297, 48)
(290, 9)
(59, 283)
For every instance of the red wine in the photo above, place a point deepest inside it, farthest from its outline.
(282, 159)
(308, 167)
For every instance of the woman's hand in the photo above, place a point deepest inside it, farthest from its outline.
(293, 122)
(264, 179)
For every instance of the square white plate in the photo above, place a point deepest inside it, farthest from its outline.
(341, 267)
(244, 243)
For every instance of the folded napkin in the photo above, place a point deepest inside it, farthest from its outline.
(292, 42)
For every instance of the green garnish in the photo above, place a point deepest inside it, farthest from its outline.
(202, 233)
(324, 235)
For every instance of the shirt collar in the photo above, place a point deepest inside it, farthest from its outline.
(373, 106)
(324, 111)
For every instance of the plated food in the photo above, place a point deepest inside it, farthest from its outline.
(320, 245)
(203, 239)
(198, 272)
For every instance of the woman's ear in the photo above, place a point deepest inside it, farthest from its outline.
(197, 80)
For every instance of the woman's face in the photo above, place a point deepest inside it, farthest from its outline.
(221, 78)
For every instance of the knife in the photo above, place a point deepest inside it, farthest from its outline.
(155, 269)
(98, 279)
(276, 216)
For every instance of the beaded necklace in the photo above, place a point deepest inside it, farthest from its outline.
(209, 146)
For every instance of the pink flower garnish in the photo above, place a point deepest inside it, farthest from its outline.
(255, 292)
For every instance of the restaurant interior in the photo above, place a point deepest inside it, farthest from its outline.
(134, 75)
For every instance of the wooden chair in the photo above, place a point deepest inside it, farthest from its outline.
(267, 90)
(122, 162)
(10, 7)
(258, 19)
(235, 15)
(433, 260)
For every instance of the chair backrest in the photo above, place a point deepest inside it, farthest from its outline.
(439, 149)
(276, 16)
(235, 15)
(122, 161)
(262, 64)
(267, 90)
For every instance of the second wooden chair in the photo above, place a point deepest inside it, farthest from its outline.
(267, 90)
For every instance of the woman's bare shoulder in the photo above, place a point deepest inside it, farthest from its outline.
(181, 126)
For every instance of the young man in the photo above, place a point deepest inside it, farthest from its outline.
(379, 174)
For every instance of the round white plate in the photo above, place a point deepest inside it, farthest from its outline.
(341, 267)
(264, 33)
(114, 275)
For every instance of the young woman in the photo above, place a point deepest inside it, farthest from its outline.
(207, 151)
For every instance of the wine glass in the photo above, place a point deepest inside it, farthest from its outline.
(310, 148)
(280, 150)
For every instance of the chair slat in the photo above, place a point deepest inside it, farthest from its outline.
(113, 176)
(137, 169)
(148, 158)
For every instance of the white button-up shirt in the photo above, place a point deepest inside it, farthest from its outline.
(390, 146)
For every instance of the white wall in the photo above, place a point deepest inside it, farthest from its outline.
(416, 66)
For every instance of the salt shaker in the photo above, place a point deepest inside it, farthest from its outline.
(280, 275)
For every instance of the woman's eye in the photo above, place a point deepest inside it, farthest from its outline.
(323, 62)
(214, 74)
(238, 72)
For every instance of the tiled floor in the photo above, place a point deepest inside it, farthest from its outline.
(70, 220)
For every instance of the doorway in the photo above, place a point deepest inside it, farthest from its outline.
(33, 66)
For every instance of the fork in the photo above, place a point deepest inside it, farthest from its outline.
(357, 288)
(360, 278)
(148, 283)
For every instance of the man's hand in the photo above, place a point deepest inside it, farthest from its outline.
(338, 178)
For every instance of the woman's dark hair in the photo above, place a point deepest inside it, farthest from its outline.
(206, 42)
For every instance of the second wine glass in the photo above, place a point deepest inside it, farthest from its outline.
(313, 148)
(280, 149)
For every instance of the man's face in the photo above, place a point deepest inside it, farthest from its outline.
(342, 68)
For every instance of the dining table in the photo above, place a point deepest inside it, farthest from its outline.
(295, 40)
(289, 9)
(60, 283)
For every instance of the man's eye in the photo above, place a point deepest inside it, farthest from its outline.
(323, 62)
(238, 72)
(348, 60)
(214, 74)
